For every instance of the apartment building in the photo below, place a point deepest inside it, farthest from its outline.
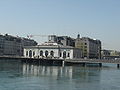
(91, 48)
(11, 45)
(62, 40)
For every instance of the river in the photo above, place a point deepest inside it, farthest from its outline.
(15, 75)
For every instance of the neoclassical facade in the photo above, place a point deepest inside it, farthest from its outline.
(52, 50)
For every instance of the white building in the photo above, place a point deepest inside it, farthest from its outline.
(52, 50)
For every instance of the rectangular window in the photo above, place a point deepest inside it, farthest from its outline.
(85, 50)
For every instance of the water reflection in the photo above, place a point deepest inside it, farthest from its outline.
(37, 70)
(15, 75)
(69, 72)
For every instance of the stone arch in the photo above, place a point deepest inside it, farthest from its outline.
(60, 54)
(26, 53)
(64, 54)
(52, 53)
(68, 55)
(33, 53)
(30, 53)
(41, 53)
(46, 53)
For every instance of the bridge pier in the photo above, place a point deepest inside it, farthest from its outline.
(118, 65)
(63, 63)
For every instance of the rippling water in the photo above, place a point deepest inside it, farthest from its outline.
(21, 76)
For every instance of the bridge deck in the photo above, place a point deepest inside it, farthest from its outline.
(117, 61)
(113, 61)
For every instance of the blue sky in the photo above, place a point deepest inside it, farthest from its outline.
(98, 19)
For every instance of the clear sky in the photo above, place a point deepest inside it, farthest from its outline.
(98, 19)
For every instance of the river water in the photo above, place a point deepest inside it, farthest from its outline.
(15, 75)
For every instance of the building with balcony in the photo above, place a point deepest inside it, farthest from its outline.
(1, 44)
(91, 48)
(13, 46)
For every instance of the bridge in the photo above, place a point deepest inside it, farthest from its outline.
(58, 61)
(114, 61)
(93, 61)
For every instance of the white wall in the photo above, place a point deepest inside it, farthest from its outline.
(37, 52)
(73, 53)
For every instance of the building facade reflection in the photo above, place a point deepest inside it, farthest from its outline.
(69, 72)
(38, 70)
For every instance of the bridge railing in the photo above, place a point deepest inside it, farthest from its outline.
(95, 60)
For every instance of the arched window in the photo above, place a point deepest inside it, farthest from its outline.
(60, 54)
(68, 55)
(26, 53)
(46, 53)
(52, 53)
(64, 54)
(33, 53)
(41, 53)
(30, 53)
